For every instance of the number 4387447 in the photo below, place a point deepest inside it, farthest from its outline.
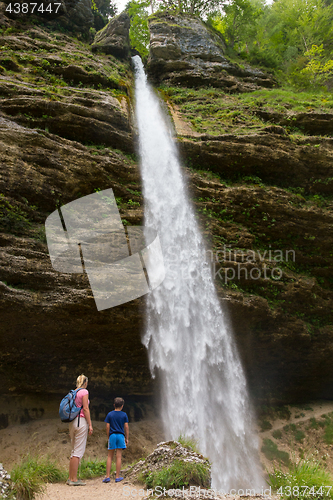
(30, 8)
(299, 491)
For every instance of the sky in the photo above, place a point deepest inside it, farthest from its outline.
(122, 3)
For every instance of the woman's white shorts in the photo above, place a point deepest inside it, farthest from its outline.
(78, 436)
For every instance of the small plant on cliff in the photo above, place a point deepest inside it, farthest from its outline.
(13, 219)
(32, 473)
(179, 474)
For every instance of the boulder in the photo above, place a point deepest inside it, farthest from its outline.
(114, 38)
(184, 50)
(164, 456)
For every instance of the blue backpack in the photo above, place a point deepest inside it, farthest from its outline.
(68, 409)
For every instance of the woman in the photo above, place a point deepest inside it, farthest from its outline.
(78, 430)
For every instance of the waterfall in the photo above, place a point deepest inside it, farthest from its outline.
(190, 345)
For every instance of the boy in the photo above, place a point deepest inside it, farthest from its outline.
(117, 432)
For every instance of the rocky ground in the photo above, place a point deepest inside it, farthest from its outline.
(50, 437)
(299, 431)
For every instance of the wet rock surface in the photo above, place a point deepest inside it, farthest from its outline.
(183, 50)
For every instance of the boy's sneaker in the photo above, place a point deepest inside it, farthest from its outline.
(118, 479)
(106, 480)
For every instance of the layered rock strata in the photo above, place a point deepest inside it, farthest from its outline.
(184, 51)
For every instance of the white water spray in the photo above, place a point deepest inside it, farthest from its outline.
(204, 393)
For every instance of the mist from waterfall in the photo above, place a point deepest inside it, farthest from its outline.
(189, 342)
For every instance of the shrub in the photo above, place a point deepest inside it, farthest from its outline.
(306, 479)
(328, 436)
(30, 475)
(92, 468)
(272, 452)
(313, 423)
(277, 434)
(179, 474)
(265, 425)
(299, 435)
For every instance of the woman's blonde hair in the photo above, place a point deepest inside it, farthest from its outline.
(81, 380)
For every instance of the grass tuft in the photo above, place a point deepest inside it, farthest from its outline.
(188, 443)
(328, 436)
(306, 479)
(92, 468)
(179, 474)
(30, 476)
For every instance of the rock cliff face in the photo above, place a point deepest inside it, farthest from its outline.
(114, 38)
(66, 131)
(183, 50)
(73, 15)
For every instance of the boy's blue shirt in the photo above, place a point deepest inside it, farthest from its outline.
(116, 419)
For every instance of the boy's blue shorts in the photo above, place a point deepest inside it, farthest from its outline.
(116, 441)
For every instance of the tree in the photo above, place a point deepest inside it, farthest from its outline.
(198, 7)
(107, 8)
(139, 32)
(237, 22)
(319, 69)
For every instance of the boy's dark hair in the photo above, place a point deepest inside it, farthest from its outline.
(118, 402)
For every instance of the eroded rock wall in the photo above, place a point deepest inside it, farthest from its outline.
(66, 131)
(184, 51)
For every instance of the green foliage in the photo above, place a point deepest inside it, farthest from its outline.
(132, 203)
(198, 7)
(313, 423)
(265, 425)
(271, 451)
(319, 68)
(92, 468)
(293, 37)
(106, 8)
(139, 32)
(306, 479)
(299, 435)
(277, 434)
(179, 474)
(237, 22)
(32, 473)
(328, 436)
(12, 218)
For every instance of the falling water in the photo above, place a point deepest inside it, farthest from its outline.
(190, 345)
